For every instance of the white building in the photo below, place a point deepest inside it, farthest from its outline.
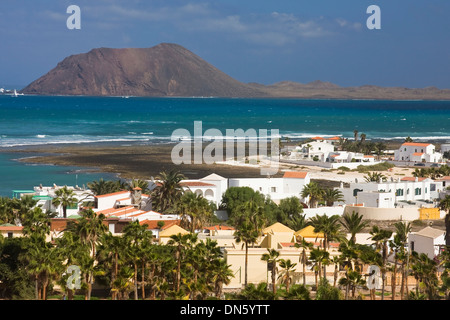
(350, 157)
(428, 240)
(46, 195)
(417, 152)
(318, 150)
(445, 147)
(290, 185)
(213, 187)
(391, 194)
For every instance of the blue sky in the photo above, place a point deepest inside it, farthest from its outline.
(263, 41)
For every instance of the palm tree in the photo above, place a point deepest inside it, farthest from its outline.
(303, 259)
(285, 276)
(249, 222)
(195, 211)
(363, 137)
(331, 196)
(314, 192)
(89, 228)
(321, 258)
(65, 198)
(222, 274)
(355, 133)
(402, 229)
(180, 241)
(329, 226)
(351, 281)
(375, 177)
(353, 224)
(444, 205)
(101, 186)
(381, 237)
(135, 235)
(138, 183)
(424, 270)
(272, 258)
(20, 208)
(168, 191)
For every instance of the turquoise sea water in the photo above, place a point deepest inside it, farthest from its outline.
(34, 120)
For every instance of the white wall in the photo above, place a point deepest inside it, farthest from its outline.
(407, 214)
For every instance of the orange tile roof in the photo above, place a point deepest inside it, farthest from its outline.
(153, 224)
(417, 154)
(196, 184)
(11, 228)
(219, 227)
(366, 156)
(412, 179)
(295, 174)
(317, 138)
(333, 138)
(112, 194)
(416, 144)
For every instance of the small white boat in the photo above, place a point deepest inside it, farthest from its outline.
(15, 94)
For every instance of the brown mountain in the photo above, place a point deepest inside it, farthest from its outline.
(171, 70)
(163, 70)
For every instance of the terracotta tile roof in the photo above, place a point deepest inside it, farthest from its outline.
(219, 227)
(153, 224)
(368, 156)
(416, 144)
(196, 184)
(295, 174)
(317, 138)
(287, 244)
(412, 179)
(11, 228)
(112, 210)
(112, 194)
(417, 154)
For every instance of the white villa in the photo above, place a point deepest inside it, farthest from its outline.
(214, 186)
(319, 150)
(417, 152)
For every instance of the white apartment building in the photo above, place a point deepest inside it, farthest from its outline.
(391, 194)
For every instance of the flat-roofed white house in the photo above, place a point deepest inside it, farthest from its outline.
(389, 194)
(314, 151)
(417, 152)
(290, 185)
(350, 157)
(428, 240)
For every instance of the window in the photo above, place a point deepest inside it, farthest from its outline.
(273, 189)
(10, 234)
(418, 192)
(399, 192)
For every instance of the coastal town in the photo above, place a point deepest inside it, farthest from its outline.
(346, 219)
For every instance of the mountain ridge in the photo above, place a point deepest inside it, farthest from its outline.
(170, 70)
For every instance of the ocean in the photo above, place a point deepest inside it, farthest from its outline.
(36, 120)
